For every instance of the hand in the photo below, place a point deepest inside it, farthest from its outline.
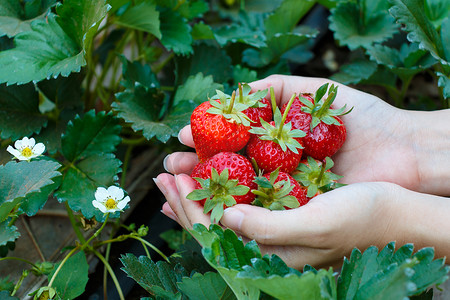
(379, 136)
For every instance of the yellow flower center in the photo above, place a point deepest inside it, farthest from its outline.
(27, 152)
(110, 204)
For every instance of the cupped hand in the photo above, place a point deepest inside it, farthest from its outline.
(320, 233)
(379, 136)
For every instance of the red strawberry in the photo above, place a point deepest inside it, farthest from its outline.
(325, 131)
(279, 191)
(275, 145)
(259, 106)
(316, 176)
(219, 126)
(223, 180)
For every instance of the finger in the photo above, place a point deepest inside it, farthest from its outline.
(192, 209)
(185, 136)
(180, 162)
(301, 226)
(166, 183)
(167, 210)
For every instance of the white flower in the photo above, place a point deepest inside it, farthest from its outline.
(26, 149)
(110, 200)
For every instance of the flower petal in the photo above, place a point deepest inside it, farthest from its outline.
(115, 192)
(38, 149)
(18, 144)
(13, 151)
(123, 203)
(101, 194)
(31, 142)
(99, 205)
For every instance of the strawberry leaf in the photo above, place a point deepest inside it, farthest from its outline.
(176, 33)
(207, 286)
(159, 279)
(19, 111)
(142, 16)
(8, 233)
(19, 180)
(272, 276)
(444, 83)
(238, 34)
(16, 18)
(55, 46)
(436, 11)
(362, 23)
(195, 88)
(420, 30)
(355, 72)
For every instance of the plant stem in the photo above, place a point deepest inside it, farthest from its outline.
(73, 222)
(151, 246)
(230, 108)
(105, 270)
(19, 282)
(61, 265)
(20, 259)
(96, 233)
(111, 273)
(133, 142)
(273, 100)
(283, 119)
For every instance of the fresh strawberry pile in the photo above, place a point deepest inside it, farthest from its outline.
(251, 152)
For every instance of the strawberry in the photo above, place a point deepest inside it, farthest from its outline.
(223, 180)
(316, 176)
(259, 106)
(219, 125)
(325, 131)
(279, 191)
(275, 145)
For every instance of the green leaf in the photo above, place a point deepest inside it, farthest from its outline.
(175, 238)
(355, 72)
(71, 280)
(207, 60)
(36, 201)
(55, 46)
(20, 179)
(420, 30)
(196, 89)
(272, 276)
(15, 18)
(444, 83)
(8, 233)
(238, 34)
(142, 16)
(90, 135)
(242, 74)
(286, 17)
(202, 31)
(19, 111)
(176, 32)
(207, 286)
(355, 29)
(81, 181)
(159, 279)
(436, 11)
(5, 295)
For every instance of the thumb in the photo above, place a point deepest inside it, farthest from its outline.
(287, 227)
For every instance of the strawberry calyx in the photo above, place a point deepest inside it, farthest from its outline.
(217, 191)
(252, 100)
(229, 108)
(274, 195)
(320, 109)
(316, 176)
(280, 132)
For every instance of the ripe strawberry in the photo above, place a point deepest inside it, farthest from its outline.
(259, 106)
(223, 180)
(279, 191)
(275, 145)
(219, 125)
(316, 176)
(325, 131)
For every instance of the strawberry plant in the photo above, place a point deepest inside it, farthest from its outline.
(88, 88)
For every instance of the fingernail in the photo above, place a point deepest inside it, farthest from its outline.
(169, 215)
(161, 187)
(165, 162)
(232, 218)
(179, 137)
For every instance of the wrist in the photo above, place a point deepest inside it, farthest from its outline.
(421, 219)
(430, 136)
